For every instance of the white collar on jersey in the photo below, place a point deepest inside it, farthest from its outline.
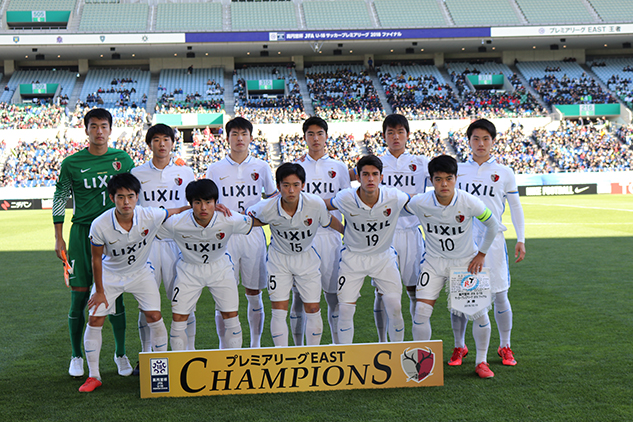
(325, 157)
(437, 204)
(117, 226)
(283, 212)
(211, 223)
(235, 163)
(490, 160)
(363, 205)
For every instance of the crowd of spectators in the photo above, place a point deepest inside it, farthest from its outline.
(339, 146)
(566, 90)
(207, 148)
(625, 133)
(121, 116)
(18, 116)
(622, 87)
(188, 107)
(427, 143)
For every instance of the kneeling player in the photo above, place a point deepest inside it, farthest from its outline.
(447, 217)
(121, 239)
(202, 234)
(294, 218)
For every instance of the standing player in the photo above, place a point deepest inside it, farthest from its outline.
(85, 175)
(408, 173)
(121, 239)
(493, 183)
(324, 176)
(447, 216)
(241, 179)
(294, 218)
(371, 213)
(163, 185)
(202, 235)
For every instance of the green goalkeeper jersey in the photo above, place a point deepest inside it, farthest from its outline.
(86, 177)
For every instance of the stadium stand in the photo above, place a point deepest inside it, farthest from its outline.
(420, 13)
(28, 5)
(121, 116)
(617, 74)
(420, 142)
(191, 90)
(253, 16)
(613, 10)
(115, 17)
(625, 133)
(482, 12)
(18, 116)
(350, 14)
(115, 87)
(339, 146)
(65, 78)
(189, 17)
(564, 11)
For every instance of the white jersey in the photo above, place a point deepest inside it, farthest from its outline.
(163, 188)
(325, 177)
(123, 250)
(370, 229)
(491, 182)
(449, 229)
(241, 185)
(408, 173)
(202, 245)
(290, 235)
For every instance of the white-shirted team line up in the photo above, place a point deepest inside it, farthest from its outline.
(211, 246)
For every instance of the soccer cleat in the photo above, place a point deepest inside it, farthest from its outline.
(483, 370)
(90, 385)
(458, 354)
(123, 366)
(507, 357)
(76, 368)
(137, 370)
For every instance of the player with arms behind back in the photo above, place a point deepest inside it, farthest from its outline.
(493, 183)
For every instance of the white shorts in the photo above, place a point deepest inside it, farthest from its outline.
(354, 267)
(497, 260)
(328, 245)
(409, 245)
(434, 273)
(191, 279)
(163, 256)
(139, 283)
(302, 269)
(248, 253)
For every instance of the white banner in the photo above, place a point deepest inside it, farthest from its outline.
(75, 39)
(469, 294)
(555, 31)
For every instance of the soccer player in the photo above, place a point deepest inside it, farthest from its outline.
(371, 213)
(202, 235)
(85, 175)
(325, 176)
(447, 217)
(294, 218)
(163, 185)
(408, 173)
(241, 179)
(121, 239)
(493, 183)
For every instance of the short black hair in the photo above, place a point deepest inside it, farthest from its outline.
(393, 121)
(161, 129)
(368, 160)
(444, 164)
(314, 120)
(484, 124)
(123, 181)
(99, 114)
(203, 189)
(238, 123)
(288, 169)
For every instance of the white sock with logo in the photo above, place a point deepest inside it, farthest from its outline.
(256, 318)
(178, 335)
(393, 308)
(346, 322)
(296, 318)
(459, 323)
(481, 333)
(191, 332)
(503, 317)
(158, 333)
(332, 315)
(314, 328)
(279, 327)
(380, 317)
(422, 322)
(92, 347)
(232, 333)
(219, 328)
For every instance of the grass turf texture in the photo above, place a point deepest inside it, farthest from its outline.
(571, 299)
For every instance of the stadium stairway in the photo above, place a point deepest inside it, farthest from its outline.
(449, 81)
(229, 99)
(305, 94)
(518, 11)
(529, 87)
(380, 91)
(275, 153)
(74, 96)
(152, 95)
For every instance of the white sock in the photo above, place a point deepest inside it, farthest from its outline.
(314, 328)
(332, 315)
(279, 327)
(178, 335)
(232, 333)
(380, 318)
(143, 333)
(92, 347)
(296, 319)
(422, 322)
(412, 302)
(256, 318)
(393, 308)
(459, 324)
(481, 333)
(158, 333)
(346, 322)
(503, 317)
(219, 327)
(191, 332)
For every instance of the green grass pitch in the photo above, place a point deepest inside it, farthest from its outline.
(572, 300)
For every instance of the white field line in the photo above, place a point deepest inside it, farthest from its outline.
(578, 206)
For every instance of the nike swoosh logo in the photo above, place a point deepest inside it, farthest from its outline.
(502, 312)
(85, 170)
(334, 316)
(278, 335)
(581, 190)
(90, 351)
(161, 345)
(222, 178)
(418, 323)
(353, 215)
(145, 181)
(258, 309)
(186, 237)
(485, 325)
(239, 332)
(316, 334)
(397, 331)
(346, 329)
(112, 243)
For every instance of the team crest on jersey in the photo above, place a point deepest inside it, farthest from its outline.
(220, 236)
(178, 181)
(252, 213)
(387, 212)
(117, 165)
(145, 232)
(255, 175)
(494, 177)
(413, 167)
(417, 364)
(307, 221)
(332, 174)
(460, 218)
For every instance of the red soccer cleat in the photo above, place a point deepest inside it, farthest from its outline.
(483, 370)
(458, 354)
(90, 385)
(507, 357)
